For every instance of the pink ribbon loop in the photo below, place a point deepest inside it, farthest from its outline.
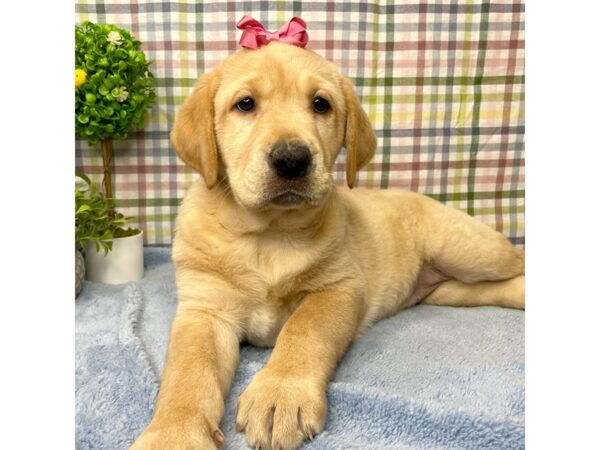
(254, 34)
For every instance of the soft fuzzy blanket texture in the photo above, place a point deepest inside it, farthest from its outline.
(429, 378)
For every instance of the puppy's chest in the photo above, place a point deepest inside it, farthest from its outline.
(264, 323)
(272, 298)
(274, 268)
(275, 279)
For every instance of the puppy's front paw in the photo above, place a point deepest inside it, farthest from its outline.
(179, 436)
(279, 413)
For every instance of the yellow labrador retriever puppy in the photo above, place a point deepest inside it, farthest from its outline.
(269, 251)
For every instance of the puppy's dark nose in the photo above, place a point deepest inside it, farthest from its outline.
(290, 159)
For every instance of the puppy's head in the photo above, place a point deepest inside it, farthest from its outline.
(271, 122)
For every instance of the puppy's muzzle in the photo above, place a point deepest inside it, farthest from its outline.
(290, 160)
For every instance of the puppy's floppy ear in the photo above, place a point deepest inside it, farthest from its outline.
(360, 141)
(193, 134)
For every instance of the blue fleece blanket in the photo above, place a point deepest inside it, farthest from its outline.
(429, 378)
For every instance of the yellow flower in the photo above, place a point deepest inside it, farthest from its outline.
(80, 77)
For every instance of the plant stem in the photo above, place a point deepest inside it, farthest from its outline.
(106, 146)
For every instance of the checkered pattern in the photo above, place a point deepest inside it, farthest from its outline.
(442, 81)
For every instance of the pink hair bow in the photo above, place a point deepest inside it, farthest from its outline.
(255, 35)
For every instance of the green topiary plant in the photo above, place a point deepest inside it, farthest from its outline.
(95, 219)
(113, 88)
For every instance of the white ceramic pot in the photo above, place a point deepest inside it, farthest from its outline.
(124, 263)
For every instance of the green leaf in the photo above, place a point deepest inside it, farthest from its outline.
(84, 177)
(98, 76)
(108, 83)
(83, 208)
(95, 114)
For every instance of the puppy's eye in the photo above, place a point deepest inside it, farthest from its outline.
(245, 105)
(320, 105)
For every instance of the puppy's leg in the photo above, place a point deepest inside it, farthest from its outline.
(466, 249)
(285, 403)
(508, 293)
(202, 356)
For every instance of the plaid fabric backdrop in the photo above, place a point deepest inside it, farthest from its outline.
(442, 81)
